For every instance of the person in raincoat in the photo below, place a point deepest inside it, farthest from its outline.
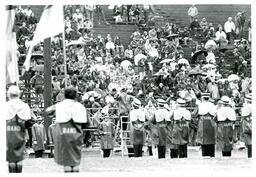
(246, 113)
(137, 118)
(18, 114)
(107, 131)
(180, 133)
(161, 116)
(70, 116)
(226, 118)
(39, 138)
(207, 126)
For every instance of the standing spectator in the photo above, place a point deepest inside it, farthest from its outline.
(70, 115)
(100, 14)
(204, 24)
(39, 138)
(89, 11)
(229, 28)
(18, 113)
(226, 118)
(192, 12)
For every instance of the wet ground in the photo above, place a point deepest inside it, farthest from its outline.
(92, 161)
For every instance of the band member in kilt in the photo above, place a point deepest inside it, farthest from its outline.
(18, 114)
(246, 114)
(106, 130)
(161, 117)
(181, 117)
(207, 126)
(137, 118)
(226, 118)
(70, 115)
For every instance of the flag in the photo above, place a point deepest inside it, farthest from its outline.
(12, 73)
(51, 23)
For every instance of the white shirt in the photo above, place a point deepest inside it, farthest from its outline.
(161, 114)
(19, 108)
(137, 114)
(70, 109)
(207, 107)
(229, 26)
(226, 113)
(192, 11)
(110, 45)
(210, 58)
(220, 35)
(181, 112)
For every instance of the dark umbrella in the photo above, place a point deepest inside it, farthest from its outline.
(198, 53)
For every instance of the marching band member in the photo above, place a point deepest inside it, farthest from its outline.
(207, 126)
(246, 114)
(106, 130)
(137, 118)
(70, 115)
(181, 117)
(226, 118)
(161, 117)
(18, 113)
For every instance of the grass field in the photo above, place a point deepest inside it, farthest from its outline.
(93, 162)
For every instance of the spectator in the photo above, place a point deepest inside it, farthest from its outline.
(221, 37)
(192, 12)
(230, 28)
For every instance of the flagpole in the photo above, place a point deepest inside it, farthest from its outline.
(64, 54)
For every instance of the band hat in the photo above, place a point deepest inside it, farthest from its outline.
(205, 94)
(225, 100)
(13, 90)
(161, 102)
(180, 101)
(136, 102)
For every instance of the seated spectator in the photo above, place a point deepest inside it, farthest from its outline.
(220, 37)
(77, 15)
(128, 53)
(110, 46)
(117, 15)
(119, 48)
(204, 24)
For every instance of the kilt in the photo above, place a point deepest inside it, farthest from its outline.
(68, 143)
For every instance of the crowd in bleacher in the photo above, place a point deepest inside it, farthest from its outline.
(159, 62)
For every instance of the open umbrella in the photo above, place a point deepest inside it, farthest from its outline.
(166, 60)
(194, 73)
(124, 64)
(211, 44)
(76, 42)
(233, 77)
(183, 61)
(91, 94)
(207, 66)
(198, 53)
(138, 57)
(39, 68)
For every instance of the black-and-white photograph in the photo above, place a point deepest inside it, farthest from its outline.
(128, 87)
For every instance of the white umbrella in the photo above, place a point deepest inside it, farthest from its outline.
(124, 64)
(233, 77)
(211, 44)
(183, 61)
(166, 60)
(209, 66)
(89, 94)
(138, 57)
(76, 42)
